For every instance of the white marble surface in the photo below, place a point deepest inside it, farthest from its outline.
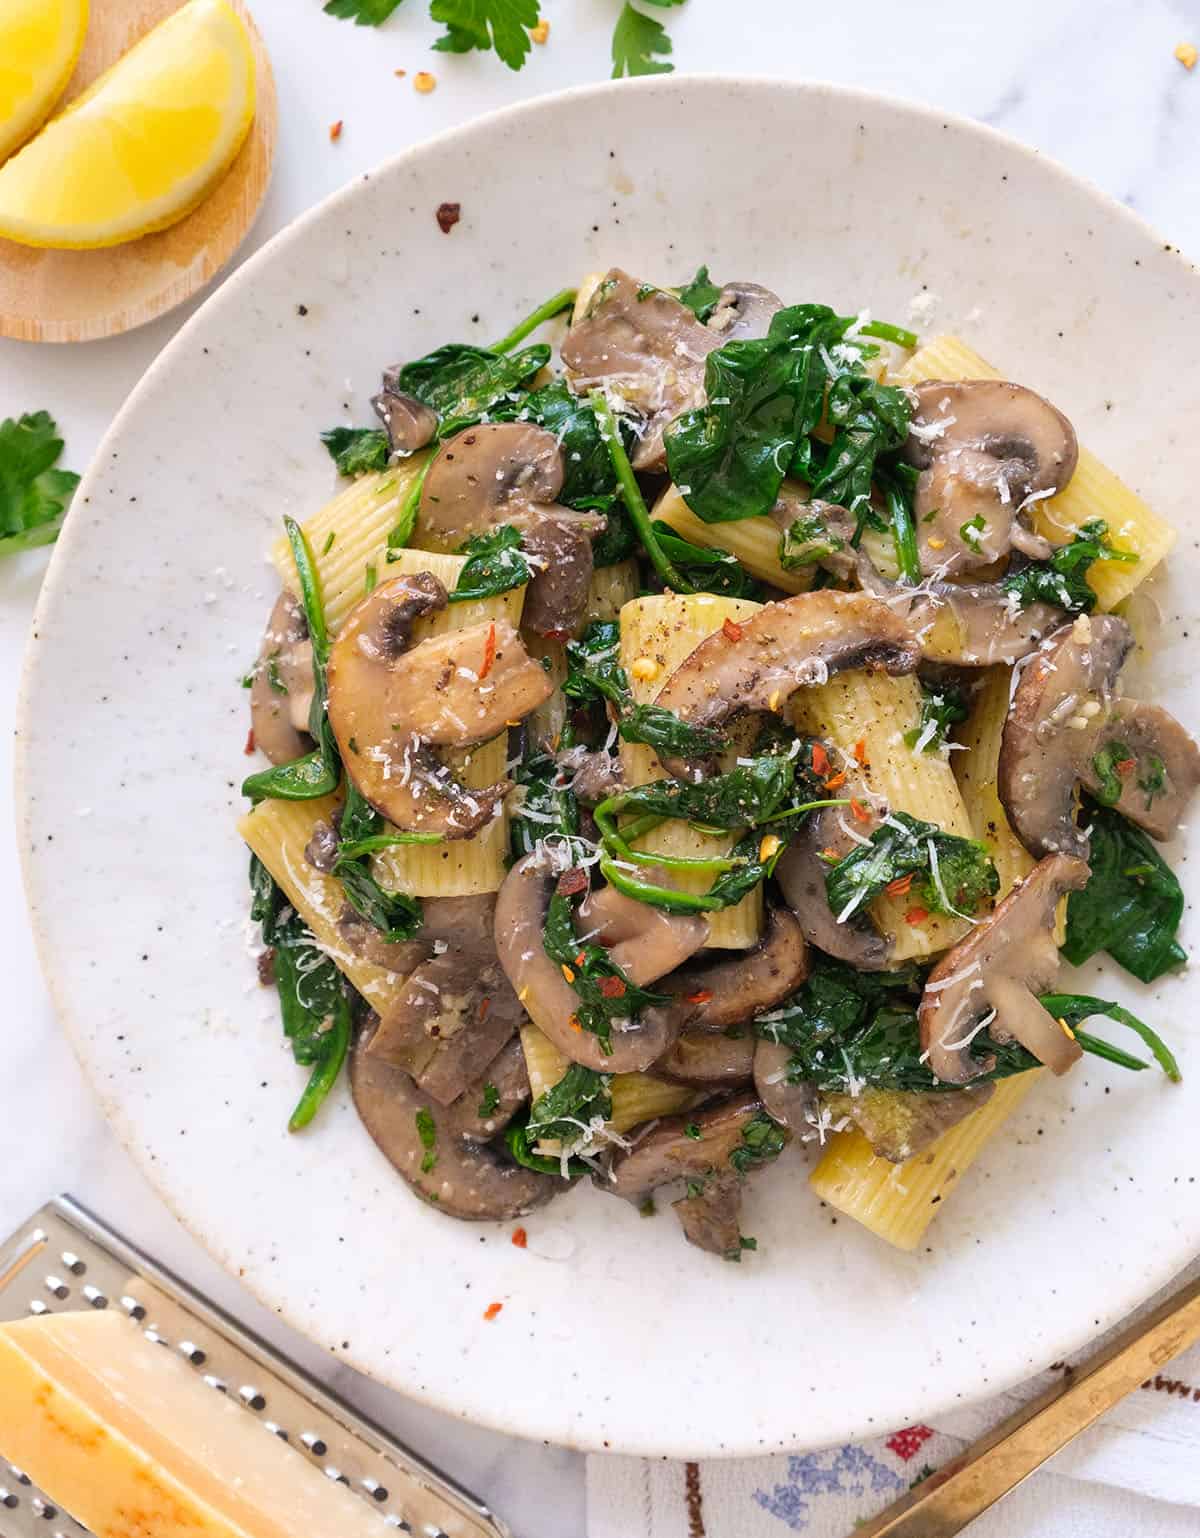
(1094, 85)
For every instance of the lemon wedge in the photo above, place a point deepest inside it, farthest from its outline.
(145, 144)
(40, 41)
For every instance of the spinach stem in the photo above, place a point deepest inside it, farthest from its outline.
(883, 331)
(310, 588)
(561, 301)
(374, 841)
(631, 492)
(658, 896)
(324, 1075)
(407, 522)
(904, 534)
(1100, 1048)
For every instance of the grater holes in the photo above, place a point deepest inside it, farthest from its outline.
(8, 1499)
(314, 1443)
(193, 1352)
(219, 1384)
(57, 1288)
(38, 1307)
(251, 1397)
(19, 1475)
(375, 1490)
(133, 1308)
(335, 1474)
(43, 1508)
(392, 1520)
(154, 1337)
(277, 1430)
(95, 1297)
(73, 1263)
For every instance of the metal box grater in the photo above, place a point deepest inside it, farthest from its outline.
(64, 1258)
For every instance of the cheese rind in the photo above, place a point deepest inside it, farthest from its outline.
(125, 1436)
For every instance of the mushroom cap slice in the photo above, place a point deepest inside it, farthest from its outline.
(1002, 966)
(669, 1153)
(708, 1058)
(388, 704)
(744, 311)
(410, 423)
(643, 941)
(732, 990)
(282, 690)
(549, 999)
(649, 348)
(711, 1218)
(483, 476)
(558, 543)
(758, 663)
(470, 1177)
(1064, 728)
(983, 446)
(789, 1104)
(801, 876)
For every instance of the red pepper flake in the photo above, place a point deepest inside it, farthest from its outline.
(489, 651)
(612, 987)
(492, 1310)
(448, 215)
(835, 781)
(484, 1006)
(899, 887)
(858, 811)
(830, 853)
(520, 1238)
(557, 635)
(572, 882)
(1126, 767)
(820, 760)
(249, 748)
(916, 915)
(581, 958)
(573, 1022)
(335, 131)
(860, 752)
(400, 73)
(730, 631)
(702, 996)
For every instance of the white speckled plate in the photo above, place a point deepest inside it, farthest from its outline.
(614, 1333)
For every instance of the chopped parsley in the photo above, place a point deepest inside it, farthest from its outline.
(427, 1132)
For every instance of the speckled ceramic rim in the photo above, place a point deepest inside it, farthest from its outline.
(512, 1415)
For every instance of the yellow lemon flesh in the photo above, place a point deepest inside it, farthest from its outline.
(39, 44)
(144, 145)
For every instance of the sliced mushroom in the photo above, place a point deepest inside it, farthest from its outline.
(389, 704)
(732, 989)
(1064, 728)
(788, 1103)
(410, 423)
(995, 975)
(708, 1059)
(900, 1124)
(711, 1218)
(983, 447)
(644, 942)
(321, 851)
(648, 348)
(670, 1152)
(465, 1176)
(801, 873)
(964, 624)
(362, 938)
(597, 776)
(744, 311)
(457, 1009)
(282, 691)
(828, 540)
(549, 999)
(511, 473)
(759, 663)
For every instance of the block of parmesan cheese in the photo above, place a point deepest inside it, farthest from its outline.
(122, 1434)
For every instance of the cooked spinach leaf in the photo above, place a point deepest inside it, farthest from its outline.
(313, 1000)
(462, 383)
(490, 1102)
(606, 994)
(566, 1109)
(1062, 580)
(495, 563)
(545, 809)
(1132, 904)
(520, 1147)
(396, 915)
(355, 450)
(589, 480)
(942, 705)
(709, 571)
(701, 294)
(957, 873)
(1075, 1008)
(870, 420)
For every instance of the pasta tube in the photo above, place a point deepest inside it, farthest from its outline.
(350, 534)
(636, 1097)
(897, 1202)
(657, 634)
(864, 717)
(755, 542)
(1092, 492)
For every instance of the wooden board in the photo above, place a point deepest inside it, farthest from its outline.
(81, 296)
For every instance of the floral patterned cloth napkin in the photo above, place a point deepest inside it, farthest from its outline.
(1135, 1474)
